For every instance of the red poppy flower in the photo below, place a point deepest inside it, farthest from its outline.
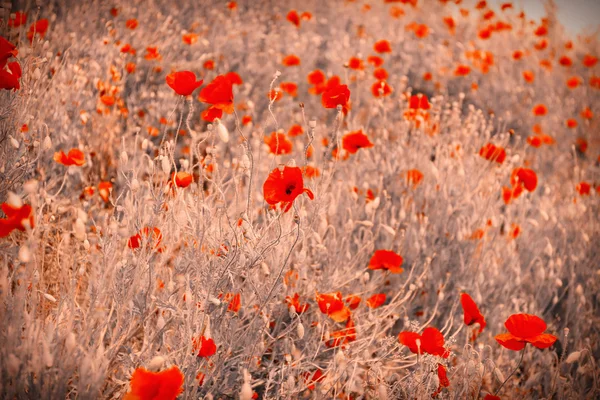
(462, 70)
(443, 380)
(333, 306)
(317, 77)
(189, 38)
(104, 189)
(419, 102)
(386, 259)
(152, 54)
(278, 143)
(316, 377)
(380, 74)
(219, 93)
(377, 300)
(334, 96)
(356, 63)
(587, 113)
(209, 65)
(295, 130)
(146, 385)
(207, 347)
(493, 153)
(234, 78)
(235, 302)
(353, 301)
(131, 23)
(211, 113)
(589, 60)
(150, 234)
(291, 60)
(311, 172)
(38, 28)
(565, 61)
(182, 179)
(353, 141)
(525, 177)
(431, 342)
(414, 176)
(490, 396)
(19, 19)
(183, 82)
(295, 302)
(128, 49)
(382, 46)
(7, 50)
(343, 336)
(74, 157)
(381, 89)
(376, 61)
(540, 110)
(18, 218)
(9, 78)
(290, 88)
(523, 329)
(471, 312)
(583, 188)
(294, 18)
(283, 186)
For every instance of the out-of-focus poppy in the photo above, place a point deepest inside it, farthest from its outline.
(492, 152)
(333, 306)
(291, 60)
(146, 385)
(17, 217)
(152, 235)
(377, 300)
(387, 260)
(294, 301)
(353, 141)
(39, 28)
(278, 143)
(74, 157)
(382, 46)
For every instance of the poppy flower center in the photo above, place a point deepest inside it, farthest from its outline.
(290, 189)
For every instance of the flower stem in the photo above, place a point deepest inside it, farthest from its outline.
(512, 373)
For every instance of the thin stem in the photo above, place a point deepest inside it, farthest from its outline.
(512, 373)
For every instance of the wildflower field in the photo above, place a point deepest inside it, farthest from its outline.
(369, 199)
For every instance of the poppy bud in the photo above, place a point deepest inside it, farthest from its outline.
(300, 330)
(222, 131)
(24, 254)
(49, 297)
(156, 363)
(165, 165)
(47, 144)
(79, 229)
